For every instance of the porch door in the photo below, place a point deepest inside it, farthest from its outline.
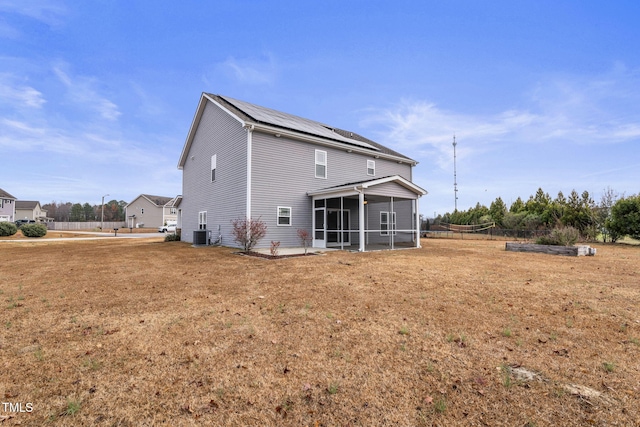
(334, 223)
(319, 231)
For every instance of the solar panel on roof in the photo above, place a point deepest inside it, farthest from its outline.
(289, 121)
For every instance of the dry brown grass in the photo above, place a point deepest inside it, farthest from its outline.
(132, 332)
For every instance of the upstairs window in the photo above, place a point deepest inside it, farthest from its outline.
(284, 215)
(371, 167)
(214, 165)
(321, 164)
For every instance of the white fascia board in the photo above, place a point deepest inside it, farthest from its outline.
(398, 179)
(225, 109)
(329, 143)
(192, 130)
(196, 121)
(350, 190)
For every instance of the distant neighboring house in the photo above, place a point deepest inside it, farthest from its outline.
(241, 161)
(7, 206)
(151, 211)
(27, 209)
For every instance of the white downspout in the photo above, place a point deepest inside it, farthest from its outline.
(249, 149)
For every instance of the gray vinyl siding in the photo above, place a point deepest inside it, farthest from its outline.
(391, 189)
(7, 209)
(283, 171)
(224, 199)
(152, 216)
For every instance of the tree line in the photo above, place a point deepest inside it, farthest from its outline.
(77, 212)
(611, 219)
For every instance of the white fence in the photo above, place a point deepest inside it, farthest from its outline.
(88, 225)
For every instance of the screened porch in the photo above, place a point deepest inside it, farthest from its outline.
(374, 215)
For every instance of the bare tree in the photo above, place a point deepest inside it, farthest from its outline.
(247, 232)
(304, 237)
(603, 211)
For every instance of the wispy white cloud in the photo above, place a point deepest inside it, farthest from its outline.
(19, 95)
(423, 128)
(83, 92)
(50, 12)
(566, 110)
(253, 71)
(8, 31)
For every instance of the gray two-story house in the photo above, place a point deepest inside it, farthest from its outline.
(151, 211)
(242, 161)
(7, 206)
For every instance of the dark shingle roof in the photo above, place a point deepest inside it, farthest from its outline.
(158, 200)
(6, 195)
(26, 204)
(257, 114)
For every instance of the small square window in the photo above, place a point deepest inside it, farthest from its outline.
(371, 167)
(284, 215)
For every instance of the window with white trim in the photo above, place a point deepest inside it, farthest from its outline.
(387, 222)
(371, 167)
(202, 220)
(321, 164)
(284, 215)
(214, 166)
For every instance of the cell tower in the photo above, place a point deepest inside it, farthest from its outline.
(455, 180)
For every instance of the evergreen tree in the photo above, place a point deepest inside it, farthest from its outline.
(89, 212)
(517, 206)
(77, 213)
(578, 213)
(497, 211)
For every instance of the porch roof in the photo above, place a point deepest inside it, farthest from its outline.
(357, 187)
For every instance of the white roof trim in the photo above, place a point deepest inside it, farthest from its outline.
(196, 121)
(356, 188)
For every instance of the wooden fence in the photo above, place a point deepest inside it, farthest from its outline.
(87, 225)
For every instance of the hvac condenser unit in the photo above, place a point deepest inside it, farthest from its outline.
(200, 237)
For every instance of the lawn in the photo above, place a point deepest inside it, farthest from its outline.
(142, 332)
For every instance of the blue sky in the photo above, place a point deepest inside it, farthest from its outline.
(96, 97)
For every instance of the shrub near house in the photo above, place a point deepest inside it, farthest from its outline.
(7, 229)
(33, 230)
